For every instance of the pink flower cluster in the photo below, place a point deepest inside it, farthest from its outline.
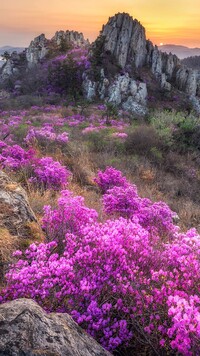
(79, 56)
(49, 174)
(15, 157)
(45, 134)
(124, 201)
(70, 215)
(110, 178)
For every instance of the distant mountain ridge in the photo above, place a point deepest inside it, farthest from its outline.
(180, 51)
(10, 49)
(192, 62)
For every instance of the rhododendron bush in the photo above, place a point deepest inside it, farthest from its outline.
(129, 281)
(49, 174)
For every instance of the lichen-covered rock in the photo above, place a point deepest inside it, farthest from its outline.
(121, 91)
(15, 211)
(89, 88)
(134, 107)
(25, 329)
(70, 37)
(37, 50)
(186, 80)
(125, 40)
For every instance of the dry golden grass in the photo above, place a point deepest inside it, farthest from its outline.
(34, 231)
(8, 244)
(189, 213)
(148, 175)
(38, 200)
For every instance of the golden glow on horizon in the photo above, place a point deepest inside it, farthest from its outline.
(165, 21)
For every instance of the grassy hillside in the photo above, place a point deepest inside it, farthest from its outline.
(108, 272)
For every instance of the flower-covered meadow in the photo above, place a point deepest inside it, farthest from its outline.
(116, 261)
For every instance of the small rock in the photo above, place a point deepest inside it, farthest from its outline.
(15, 210)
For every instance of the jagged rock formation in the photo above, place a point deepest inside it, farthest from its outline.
(37, 50)
(132, 48)
(13, 66)
(15, 211)
(123, 39)
(25, 329)
(118, 57)
(74, 37)
(122, 90)
(40, 46)
(169, 71)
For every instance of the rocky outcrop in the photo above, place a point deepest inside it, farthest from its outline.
(70, 37)
(41, 46)
(25, 329)
(124, 39)
(15, 211)
(122, 90)
(37, 50)
(13, 66)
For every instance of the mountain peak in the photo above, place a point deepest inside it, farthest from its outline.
(125, 39)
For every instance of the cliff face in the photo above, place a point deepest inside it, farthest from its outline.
(37, 50)
(125, 39)
(123, 42)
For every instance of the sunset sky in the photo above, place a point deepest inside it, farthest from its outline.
(166, 21)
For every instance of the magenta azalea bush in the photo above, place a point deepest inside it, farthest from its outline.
(45, 173)
(15, 157)
(45, 135)
(110, 178)
(49, 174)
(131, 282)
(69, 216)
(124, 201)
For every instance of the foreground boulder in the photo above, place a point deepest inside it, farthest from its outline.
(15, 210)
(25, 329)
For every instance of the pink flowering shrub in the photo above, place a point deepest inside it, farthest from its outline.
(49, 174)
(110, 178)
(117, 282)
(69, 216)
(45, 135)
(15, 157)
(131, 282)
(124, 201)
